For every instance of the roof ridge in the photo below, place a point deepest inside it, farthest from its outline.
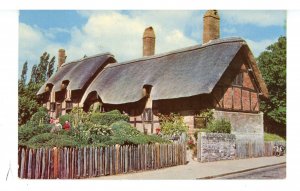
(186, 49)
(88, 57)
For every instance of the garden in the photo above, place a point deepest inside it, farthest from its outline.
(87, 129)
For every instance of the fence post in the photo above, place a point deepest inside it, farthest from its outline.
(101, 161)
(43, 163)
(22, 165)
(55, 163)
(117, 161)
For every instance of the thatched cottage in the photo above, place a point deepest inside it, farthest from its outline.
(220, 74)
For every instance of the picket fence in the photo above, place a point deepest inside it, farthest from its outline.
(255, 149)
(76, 163)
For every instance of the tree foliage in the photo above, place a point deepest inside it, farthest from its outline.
(219, 126)
(172, 124)
(28, 101)
(24, 73)
(272, 64)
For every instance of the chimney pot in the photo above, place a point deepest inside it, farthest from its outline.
(148, 42)
(211, 26)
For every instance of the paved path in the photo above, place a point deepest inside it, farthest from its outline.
(195, 170)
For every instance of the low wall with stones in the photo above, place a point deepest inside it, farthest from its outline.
(215, 146)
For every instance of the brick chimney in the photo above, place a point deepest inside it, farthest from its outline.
(148, 42)
(61, 57)
(211, 26)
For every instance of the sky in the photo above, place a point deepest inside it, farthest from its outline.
(120, 32)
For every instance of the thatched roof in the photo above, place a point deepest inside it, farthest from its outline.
(78, 72)
(183, 73)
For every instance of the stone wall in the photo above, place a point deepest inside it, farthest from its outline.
(215, 146)
(245, 126)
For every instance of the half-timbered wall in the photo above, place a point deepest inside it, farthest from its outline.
(62, 102)
(238, 94)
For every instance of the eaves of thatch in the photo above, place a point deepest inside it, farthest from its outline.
(77, 73)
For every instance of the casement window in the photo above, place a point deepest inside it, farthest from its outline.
(238, 81)
(200, 122)
(69, 105)
(147, 115)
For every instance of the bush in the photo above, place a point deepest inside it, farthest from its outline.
(41, 117)
(96, 133)
(172, 124)
(272, 137)
(62, 141)
(64, 118)
(108, 118)
(51, 140)
(27, 131)
(124, 133)
(78, 117)
(91, 130)
(219, 126)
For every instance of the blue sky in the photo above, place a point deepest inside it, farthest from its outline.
(120, 32)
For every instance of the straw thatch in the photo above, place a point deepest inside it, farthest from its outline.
(78, 73)
(183, 73)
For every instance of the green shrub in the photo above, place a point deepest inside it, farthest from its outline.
(41, 117)
(172, 124)
(51, 140)
(272, 137)
(41, 138)
(78, 117)
(108, 118)
(96, 133)
(124, 133)
(219, 126)
(27, 131)
(62, 141)
(91, 130)
(64, 118)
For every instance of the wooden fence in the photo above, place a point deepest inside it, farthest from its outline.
(75, 163)
(255, 149)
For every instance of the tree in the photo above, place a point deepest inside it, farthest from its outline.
(29, 103)
(272, 64)
(33, 75)
(50, 69)
(24, 73)
(22, 80)
(43, 71)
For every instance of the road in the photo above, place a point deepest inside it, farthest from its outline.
(272, 172)
(196, 170)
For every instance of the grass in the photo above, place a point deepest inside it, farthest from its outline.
(272, 137)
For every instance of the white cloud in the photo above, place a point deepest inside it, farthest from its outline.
(31, 40)
(258, 18)
(120, 34)
(259, 46)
